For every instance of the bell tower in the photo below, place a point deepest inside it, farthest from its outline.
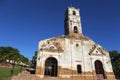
(72, 22)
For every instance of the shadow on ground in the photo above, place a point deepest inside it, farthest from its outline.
(31, 70)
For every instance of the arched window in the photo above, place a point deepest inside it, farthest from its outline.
(74, 13)
(75, 29)
(79, 70)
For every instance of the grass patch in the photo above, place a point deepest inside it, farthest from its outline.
(5, 72)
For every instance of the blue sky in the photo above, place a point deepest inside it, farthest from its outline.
(23, 23)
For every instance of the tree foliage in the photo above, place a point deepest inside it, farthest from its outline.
(34, 59)
(11, 54)
(115, 59)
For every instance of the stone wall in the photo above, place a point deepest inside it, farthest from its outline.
(64, 73)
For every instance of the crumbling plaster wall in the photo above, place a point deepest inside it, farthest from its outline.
(71, 52)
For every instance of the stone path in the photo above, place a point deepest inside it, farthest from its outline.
(25, 75)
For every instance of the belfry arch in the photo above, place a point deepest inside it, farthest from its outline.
(51, 66)
(100, 74)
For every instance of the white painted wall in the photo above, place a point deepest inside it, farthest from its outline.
(72, 56)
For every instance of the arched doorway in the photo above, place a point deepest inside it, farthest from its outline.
(99, 70)
(51, 67)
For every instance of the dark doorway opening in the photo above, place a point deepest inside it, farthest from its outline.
(79, 70)
(51, 67)
(99, 70)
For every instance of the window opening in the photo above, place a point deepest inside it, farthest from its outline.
(74, 13)
(77, 45)
(75, 29)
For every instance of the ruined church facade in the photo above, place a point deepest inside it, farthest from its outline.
(73, 55)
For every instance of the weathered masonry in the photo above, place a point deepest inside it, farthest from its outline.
(73, 55)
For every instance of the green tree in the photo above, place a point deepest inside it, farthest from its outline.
(115, 59)
(1, 54)
(34, 59)
(25, 60)
(12, 54)
(5, 53)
